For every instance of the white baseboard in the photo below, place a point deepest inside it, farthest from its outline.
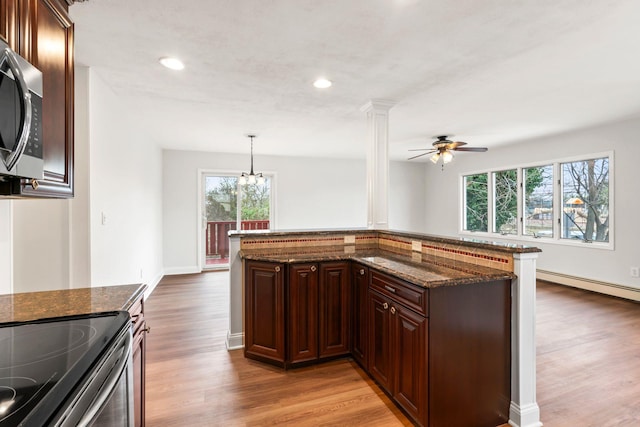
(235, 341)
(152, 285)
(525, 416)
(612, 289)
(182, 270)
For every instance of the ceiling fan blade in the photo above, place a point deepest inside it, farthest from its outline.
(455, 145)
(419, 155)
(476, 149)
(421, 149)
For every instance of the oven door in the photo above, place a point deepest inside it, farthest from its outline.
(105, 398)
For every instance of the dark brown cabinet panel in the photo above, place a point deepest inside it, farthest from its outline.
(264, 312)
(380, 340)
(334, 309)
(470, 354)
(139, 326)
(42, 32)
(359, 311)
(410, 352)
(303, 313)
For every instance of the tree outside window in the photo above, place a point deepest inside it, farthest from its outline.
(505, 206)
(585, 200)
(538, 201)
(476, 203)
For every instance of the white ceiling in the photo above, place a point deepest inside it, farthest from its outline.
(488, 72)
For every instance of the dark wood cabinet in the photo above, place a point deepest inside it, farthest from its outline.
(359, 311)
(42, 32)
(265, 312)
(443, 354)
(398, 354)
(334, 295)
(303, 313)
(140, 329)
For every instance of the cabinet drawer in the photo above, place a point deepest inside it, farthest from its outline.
(405, 293)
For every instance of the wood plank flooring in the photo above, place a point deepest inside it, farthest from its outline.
(588, 366)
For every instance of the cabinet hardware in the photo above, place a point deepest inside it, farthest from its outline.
(393, 310)
(390, 289)
(147, 329)
(313, 268)
(385, 305)
(277, 269)
(362, 271)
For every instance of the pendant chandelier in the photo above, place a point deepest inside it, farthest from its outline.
(251, 178)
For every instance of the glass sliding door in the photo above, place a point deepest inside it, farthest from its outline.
(231, 206)
(221, 214)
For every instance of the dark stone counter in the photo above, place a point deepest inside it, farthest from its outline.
(417, 268)
(68, 302)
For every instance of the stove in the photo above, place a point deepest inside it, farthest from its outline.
(46, 364)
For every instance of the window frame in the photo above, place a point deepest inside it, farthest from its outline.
(556, 239)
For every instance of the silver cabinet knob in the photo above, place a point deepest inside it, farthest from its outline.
(393, 310)
(362, 271)
(277, 269)
(385, 305)
(313, 268)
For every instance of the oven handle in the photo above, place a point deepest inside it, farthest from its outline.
(25, 98)
(110, 384)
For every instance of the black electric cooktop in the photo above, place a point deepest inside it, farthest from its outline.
(42, 361)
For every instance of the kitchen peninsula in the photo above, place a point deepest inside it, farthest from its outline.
(444, 325)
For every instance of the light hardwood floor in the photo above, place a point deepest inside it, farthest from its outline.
(588, 366)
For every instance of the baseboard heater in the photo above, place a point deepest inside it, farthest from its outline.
(591, 285)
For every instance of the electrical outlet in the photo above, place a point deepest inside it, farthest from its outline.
(635, 271)
(416, 245)
(349, 240)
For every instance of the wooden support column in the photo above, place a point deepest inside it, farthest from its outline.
(378, 163)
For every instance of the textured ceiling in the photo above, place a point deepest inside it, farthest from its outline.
(488, 72)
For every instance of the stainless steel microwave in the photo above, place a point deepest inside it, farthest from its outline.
(21, 150)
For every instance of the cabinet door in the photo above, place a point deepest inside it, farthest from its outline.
(50, 49)
(359, 337)
(334, 309)
(410, 361)
(303, 313)
(380, 365)
(9, 22)
(264, 312)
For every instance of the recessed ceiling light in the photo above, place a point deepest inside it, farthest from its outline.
(322, 83)
(172, 63)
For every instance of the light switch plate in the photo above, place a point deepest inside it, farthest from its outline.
(416, 246)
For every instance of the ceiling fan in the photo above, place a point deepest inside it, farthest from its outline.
(443, 148)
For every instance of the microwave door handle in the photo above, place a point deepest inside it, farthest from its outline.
(25, 101)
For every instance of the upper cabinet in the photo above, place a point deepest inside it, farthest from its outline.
(42, 32)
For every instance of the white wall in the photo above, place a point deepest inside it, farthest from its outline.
(6, 247)
(407, 197)
(309, 193)
(612, 266)
(125, 172)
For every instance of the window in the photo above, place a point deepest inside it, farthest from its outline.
(585, 200)
(476, 215)
(538, 201)
(505, 202)
(563, 201)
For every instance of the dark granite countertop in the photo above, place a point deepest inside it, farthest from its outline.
(417, 268)
(470, 242)
(67, 302)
